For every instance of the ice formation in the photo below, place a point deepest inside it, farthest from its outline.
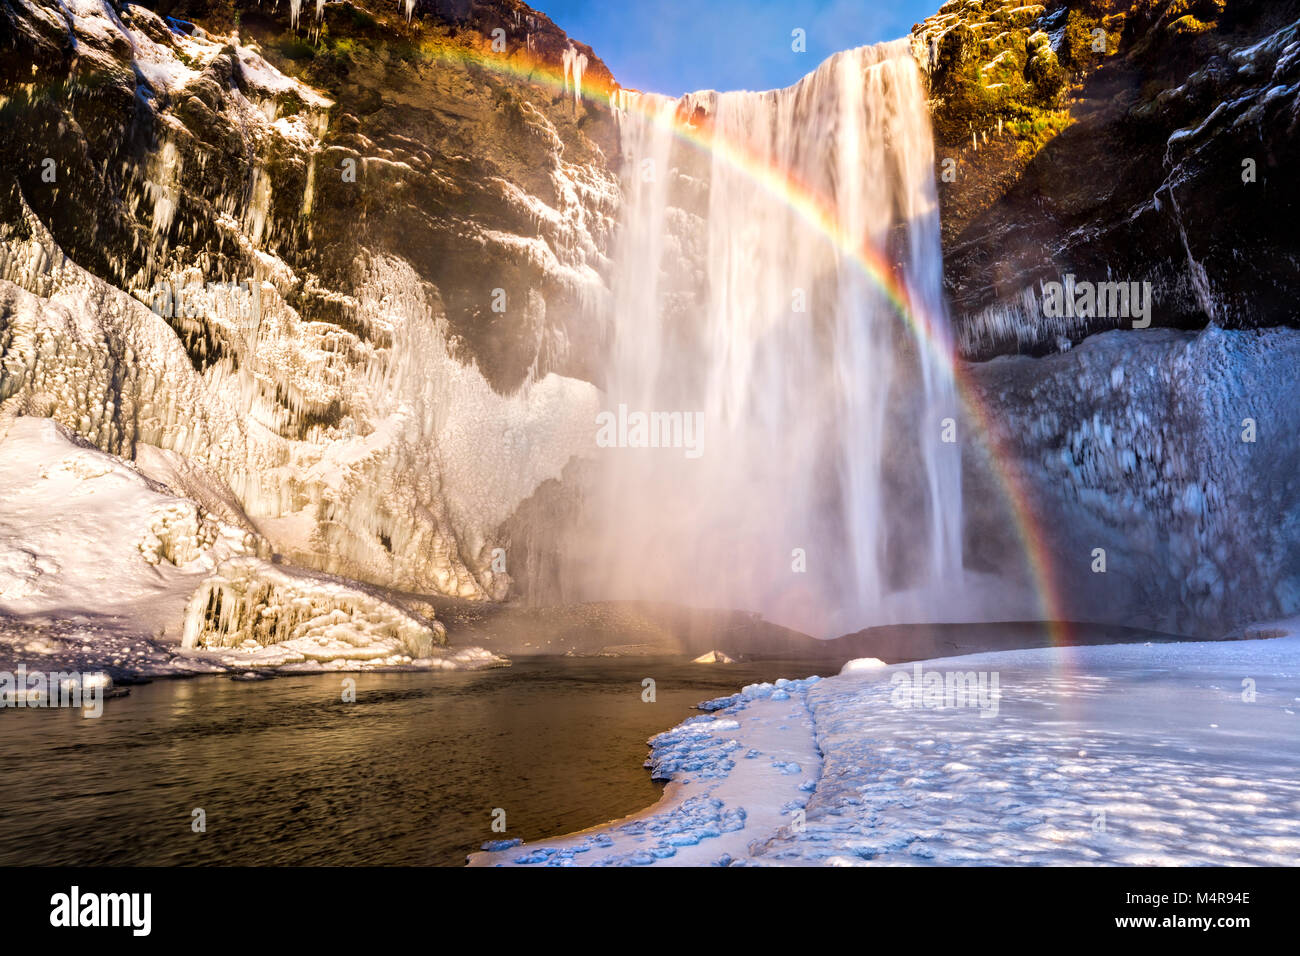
(88, 537)
(713, 657)
(574, 64)
(363, 449)
(1175, 453)
(250, 603)
(82, 531)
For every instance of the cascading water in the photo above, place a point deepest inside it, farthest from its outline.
(821, 489)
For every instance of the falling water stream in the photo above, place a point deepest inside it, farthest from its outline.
(821, 406)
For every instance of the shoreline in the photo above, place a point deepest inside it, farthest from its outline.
(719, 808)
(773, 750)
(496, 635)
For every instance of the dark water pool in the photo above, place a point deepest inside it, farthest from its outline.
(287, 773)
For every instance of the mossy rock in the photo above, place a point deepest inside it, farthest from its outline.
(958, 50)
(1020, 16)
(1188, 26)
(1045, 73)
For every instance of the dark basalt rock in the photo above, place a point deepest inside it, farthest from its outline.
(434, 142)
(1161, 159)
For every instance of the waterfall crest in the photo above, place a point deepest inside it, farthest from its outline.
(821, 410)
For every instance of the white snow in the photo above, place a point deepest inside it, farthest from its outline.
(83, 529)
(1124, 754)
(759, 741)
(859, 664)
(103, 565)
(713, 657)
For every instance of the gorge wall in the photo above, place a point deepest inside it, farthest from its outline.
(1141, 142)
(343, 261)
(1134, 140)
(341, 274)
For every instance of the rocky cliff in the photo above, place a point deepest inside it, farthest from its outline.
(344, 261)
(1115, 140)
(337, 275)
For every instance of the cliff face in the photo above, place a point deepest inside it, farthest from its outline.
(1135, 142)
(1115, 140)
(343, 259)
(337, 274)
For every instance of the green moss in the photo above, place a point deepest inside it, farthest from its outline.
(1189, 26)
(1076, 48)
(296, 48)
(1035, 128)
(344, 48)
(1048, 78)
(291, 103)
(360, 18)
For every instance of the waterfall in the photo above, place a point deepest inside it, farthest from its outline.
(821, 493)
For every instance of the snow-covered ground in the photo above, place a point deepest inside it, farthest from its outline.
(1122, 754)
(757, 742)
(103, 567)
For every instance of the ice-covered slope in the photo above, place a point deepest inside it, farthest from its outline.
(1122, 754)
(431, 463)
(1173, 453)
(83, 531)
(102, 567)
(299, 363)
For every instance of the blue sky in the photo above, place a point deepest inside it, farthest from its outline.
(676, 46)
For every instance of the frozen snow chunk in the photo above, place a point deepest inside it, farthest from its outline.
(713, 657)
(721, 724)
(309, 615)
(859, 664)
(722, 703)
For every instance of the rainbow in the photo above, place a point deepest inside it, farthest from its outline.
(869, 260)
(522, 65)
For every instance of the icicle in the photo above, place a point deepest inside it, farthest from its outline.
(574, 65)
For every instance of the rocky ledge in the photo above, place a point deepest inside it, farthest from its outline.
(1114, 140)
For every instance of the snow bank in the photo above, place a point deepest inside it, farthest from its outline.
(741, 772)
(102, 566)
(81, 529)
(1143, 755)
